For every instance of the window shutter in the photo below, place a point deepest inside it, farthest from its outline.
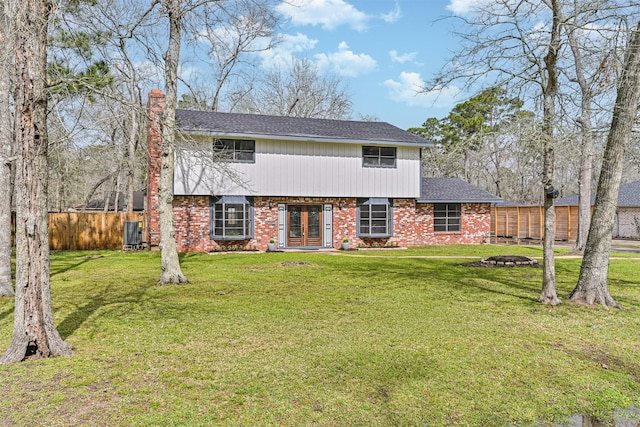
(282, 219)
(391, 217)
(327, 219)
(211, 216)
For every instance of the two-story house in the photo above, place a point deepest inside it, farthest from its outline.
(243, 179)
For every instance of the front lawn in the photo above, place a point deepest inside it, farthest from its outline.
(362, 338)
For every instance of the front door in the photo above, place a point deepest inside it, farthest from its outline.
(304, 225)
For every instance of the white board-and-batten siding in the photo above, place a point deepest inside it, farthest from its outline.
(299, 169)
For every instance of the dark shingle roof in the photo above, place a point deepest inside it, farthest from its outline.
(628, 197)
(453, 190)
(256, 126)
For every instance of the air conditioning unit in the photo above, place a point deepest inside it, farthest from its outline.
(132, 235)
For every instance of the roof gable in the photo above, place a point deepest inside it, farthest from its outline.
(453, 190)
(297, 128)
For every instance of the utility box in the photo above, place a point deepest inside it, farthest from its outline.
(132, 235)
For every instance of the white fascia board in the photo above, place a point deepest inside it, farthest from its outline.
(312, 139)
(456, 201)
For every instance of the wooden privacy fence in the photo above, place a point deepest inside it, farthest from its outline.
(90, 230)
(527, 222)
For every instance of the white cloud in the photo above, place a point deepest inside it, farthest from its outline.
(392, 16)
(282, 54)
(346, 63)
(461, 7)
(405, 57)
(408, 90)
(330, 14)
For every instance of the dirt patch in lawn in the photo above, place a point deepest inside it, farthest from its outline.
(505, 261)
(295, 264)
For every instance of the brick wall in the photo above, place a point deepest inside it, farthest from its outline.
(192, 222)
(412, 224)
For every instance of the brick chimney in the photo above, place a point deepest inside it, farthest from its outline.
(155, 108)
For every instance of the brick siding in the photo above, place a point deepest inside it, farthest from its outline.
(412, 224)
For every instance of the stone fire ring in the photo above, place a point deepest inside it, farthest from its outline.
(505, 261)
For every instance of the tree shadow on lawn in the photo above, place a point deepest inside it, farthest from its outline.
(566, 280)
(628, 287)
(6, 313)
(81, 314)
(64, 263)
(512, 282)
(533, 297)
(451, 274)
(110, 295)
(104, 298)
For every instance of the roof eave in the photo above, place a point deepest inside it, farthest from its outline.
(307, 138)
(456, 201)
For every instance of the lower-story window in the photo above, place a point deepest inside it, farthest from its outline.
(375, 218)
(446, 217)
(231, 218)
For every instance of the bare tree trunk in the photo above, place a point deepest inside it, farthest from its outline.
(6, 148)
(549, 294)
(134, 134)
(592, 284)
(131, 157)
(467, 165)
(584, 179)
(171, 272)
(584, 188)
(34, 333)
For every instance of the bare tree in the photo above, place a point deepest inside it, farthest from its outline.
(6, 145)
(125, 23)
(105, 111)
(235, 33)
(171, 271)
(487, 140)
(586, 136)
(299, 91)
(518, 45)
(589, 28)
(504, 43)
(592, 284)
(549, 94)
(34, 332)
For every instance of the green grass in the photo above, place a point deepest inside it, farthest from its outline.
(381, 338)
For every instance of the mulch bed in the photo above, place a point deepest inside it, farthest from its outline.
(505, 261)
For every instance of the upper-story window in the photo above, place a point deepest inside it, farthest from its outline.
(446, 217)
(379, 157)
(236, 150)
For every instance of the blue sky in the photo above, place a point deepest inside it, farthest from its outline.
(383, 50)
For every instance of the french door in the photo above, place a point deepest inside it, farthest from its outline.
(304, 225)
